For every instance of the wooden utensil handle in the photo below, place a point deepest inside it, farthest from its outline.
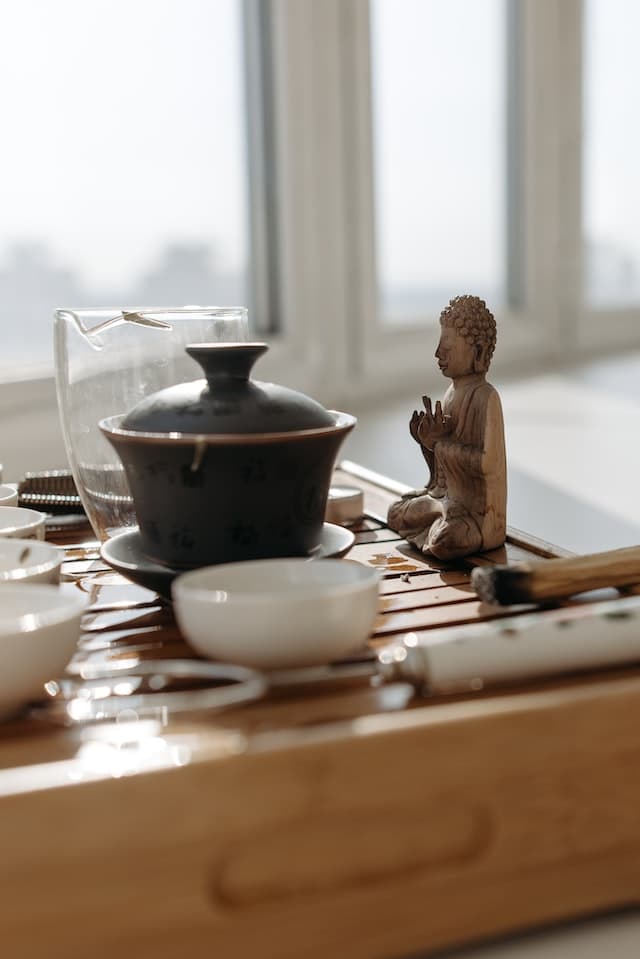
(555, 578)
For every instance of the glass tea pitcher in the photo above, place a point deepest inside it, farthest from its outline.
(106, 361)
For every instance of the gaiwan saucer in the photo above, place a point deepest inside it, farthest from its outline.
(124, 553)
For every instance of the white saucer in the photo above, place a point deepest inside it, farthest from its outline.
(124, 553)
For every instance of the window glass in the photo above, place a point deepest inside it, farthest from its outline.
(439, 117)
(611, 153)
(123, 169)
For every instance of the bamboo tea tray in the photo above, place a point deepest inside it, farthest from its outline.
(358, 823)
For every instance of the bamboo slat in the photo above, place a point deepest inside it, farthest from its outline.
(355, 821)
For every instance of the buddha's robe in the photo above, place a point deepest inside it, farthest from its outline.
(463, 509)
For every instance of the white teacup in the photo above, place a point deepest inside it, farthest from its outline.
(8, 496)
(29, 561)
(39, 631)
(20, 523)
(277, 613)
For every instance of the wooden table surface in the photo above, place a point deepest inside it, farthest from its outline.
(356, 822)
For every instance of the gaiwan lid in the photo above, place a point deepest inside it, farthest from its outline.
(227, 401)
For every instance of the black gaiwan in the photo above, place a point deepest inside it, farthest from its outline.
(228, 468)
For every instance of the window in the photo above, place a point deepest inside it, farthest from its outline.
(439, 117)
(341, 167)
(611, 214)
(124, 165)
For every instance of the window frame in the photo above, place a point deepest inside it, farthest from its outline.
(529, 325)
(326, 150)
(311, 176)
(331, 161)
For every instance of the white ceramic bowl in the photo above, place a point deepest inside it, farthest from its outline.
(20, 523)
(277, 613)
(8, 496)
(39, 630)
(29, 561)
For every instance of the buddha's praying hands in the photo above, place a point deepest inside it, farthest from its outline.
(463, 508)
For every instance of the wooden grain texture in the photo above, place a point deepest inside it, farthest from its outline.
(357, 822)
(424, 598)
(377, 536)
(536, 582)
(393, 585)
(425, 617)
(394, 558)
(463, 507)
(438, 828)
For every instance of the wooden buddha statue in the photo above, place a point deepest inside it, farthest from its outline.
(462, 510)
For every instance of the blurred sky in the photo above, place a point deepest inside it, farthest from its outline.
(612, 124)
(439, 127)
(123, 133)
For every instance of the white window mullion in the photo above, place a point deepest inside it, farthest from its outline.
(311, 194)
(569, 284)
(541, 188)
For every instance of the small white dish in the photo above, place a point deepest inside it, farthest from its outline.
(345, 505)
(29, 561)
(39, 630)
(277, 613)
(8, 495)
(20, 523)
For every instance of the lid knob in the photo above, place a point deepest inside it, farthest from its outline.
(226, 360)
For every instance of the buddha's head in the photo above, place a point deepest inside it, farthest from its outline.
(467, 338)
